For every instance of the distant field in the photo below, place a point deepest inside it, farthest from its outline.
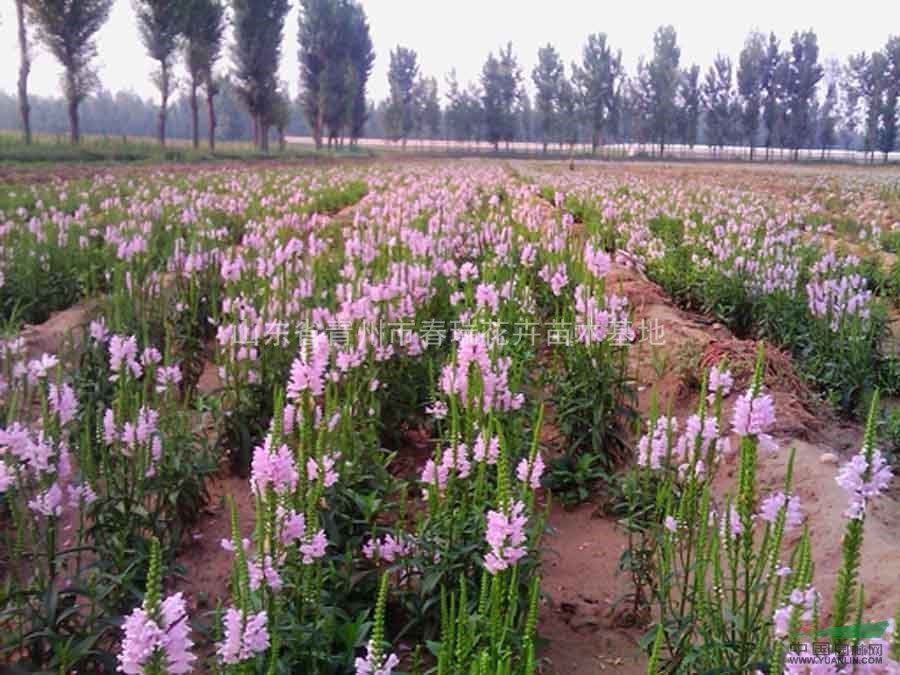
(54, 148)
(604, 151)
(50, 148)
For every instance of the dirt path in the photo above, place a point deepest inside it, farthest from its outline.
(580, 616)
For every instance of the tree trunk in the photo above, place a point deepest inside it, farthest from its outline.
(24, 69)
(163, 104)
(751, 151)
(74, 132)
(255, 118)
(320, 123)
(211, 112)
(161, 125)
(263, 136)
(195, 114)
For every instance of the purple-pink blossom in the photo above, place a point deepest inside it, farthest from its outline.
(123, 353)
(273, 466)
(596, 260)
(755, 416)
(862, 482)
(263, 570)
(327, 463)
(314, 549)
(486, 451)
(245, 636)
(308, 369)
(531, 472)
(775, 503)
(62, 402)
(170, 639)
(7, 476)
(506, 537)
(388, 549)
(48, 503)
(367, 665)
(720, 381)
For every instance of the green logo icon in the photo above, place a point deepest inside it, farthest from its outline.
(861, 631)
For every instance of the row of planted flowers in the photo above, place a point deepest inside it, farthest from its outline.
(330, 338)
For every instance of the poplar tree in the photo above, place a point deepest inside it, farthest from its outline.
(68, 29)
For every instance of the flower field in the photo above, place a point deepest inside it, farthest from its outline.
(433, 417)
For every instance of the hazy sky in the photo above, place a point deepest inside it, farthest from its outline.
(460, 33)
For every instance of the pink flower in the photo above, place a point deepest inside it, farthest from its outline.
(256, 635)
(79, 494)
(151, 356)
(597, 261)
(719, 381)
(531, 472)
(7, 476)
(434, 476)
(144, 638)
(98, 330)
(802, 601)
(486, 452)
(314, 548)
(438, 410)
(244, 636)
(733, 519)
(457, 459)
(506, 537)
(388, 549)
(273, 466)
(146, 424)
(263, 570)
(862, 482)
(167, 377)
(308, 369)
(755, 417)
(367, 666)
(63, 402)
(40, 368)
(228, 545)
(486, 296)
(110, 432)
(294, 526)
(48, 503)
(123, 356)
(330, 476)
(782, 619)
(775, 503)
(653, 447)
(671, 524)
(177, 643)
